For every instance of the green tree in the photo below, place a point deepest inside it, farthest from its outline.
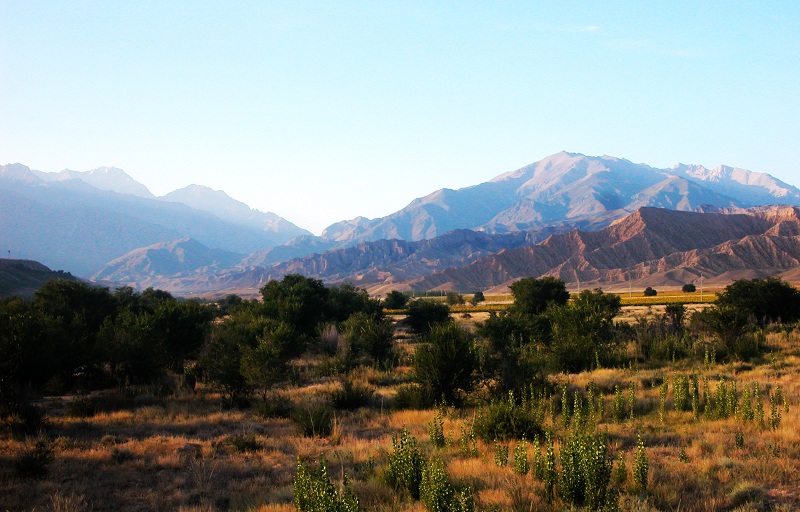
(444, 364)
(265, 363)
(650, 292)
(765, 300)
(477, 298)
(532, 296)
(345, 300)
(583, 331)
(689, 288)
(299, 301)
(454, 299)
(133, 347)
(424, 314)
(395, 300)
(369, 336)
(511, 359)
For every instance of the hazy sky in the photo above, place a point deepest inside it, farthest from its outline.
(322, 111)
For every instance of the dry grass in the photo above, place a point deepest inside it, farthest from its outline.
(131, 459)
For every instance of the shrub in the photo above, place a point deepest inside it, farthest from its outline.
(477, 298)
(33, 461)
(767, 300)
(243, 443)
(314, 491)
(369, 336)
(506, 419)
(650, 292)
(314, 418)
(532, 296)
(424, 314)
(521, 465)
(438, 494)
(689, 288)
(445, 363)
(436, 431)
(585, 472)
(404, 472)
(395, 300)
(412, 396)
(352, 395)
(640, 465)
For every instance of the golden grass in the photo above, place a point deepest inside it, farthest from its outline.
(131, 459)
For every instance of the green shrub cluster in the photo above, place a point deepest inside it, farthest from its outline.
(314, 491)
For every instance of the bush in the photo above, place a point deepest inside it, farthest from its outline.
(404, 472)
(314, 491)
(395, 300)
(369, 336)
(352, 395)
(438, 494)
(506, 419)
(650, 292)
(445, 363)
(243, 443)
(689, 288)
(533, 296)
(424, 314)
(585, 472)
(766, 300)
(314, 418)
(33, 461)
(412, 396)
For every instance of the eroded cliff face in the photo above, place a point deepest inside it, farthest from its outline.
(655, 246)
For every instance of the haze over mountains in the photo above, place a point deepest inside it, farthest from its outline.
(104, 224)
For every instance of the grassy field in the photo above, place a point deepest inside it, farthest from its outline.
(120, 451)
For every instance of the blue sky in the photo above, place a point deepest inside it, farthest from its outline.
(322, 111)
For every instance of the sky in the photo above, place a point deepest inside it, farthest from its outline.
(324, 111)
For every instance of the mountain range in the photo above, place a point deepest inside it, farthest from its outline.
(195, 240)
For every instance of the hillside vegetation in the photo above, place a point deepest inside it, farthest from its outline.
(314, 399)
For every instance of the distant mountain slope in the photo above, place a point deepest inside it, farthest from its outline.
(223, 206)
(145, 266)
(72, 225)
(22, 278)
(649, 244)
(567, 187)
(102, 178)
(382, 261)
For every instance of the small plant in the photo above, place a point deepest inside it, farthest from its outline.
(404, 473)
(438, 494)
(662, 401)
(521, 466)
(243, 443)
(621, 471)
(500, 454)
(640, 465)
(69, 503)
(352, 395)
(585, 471)
(680, 392)
(550, 473)
(739, 439)
(774, 409)
(314, 418)
(618, 406)
(759, 406)
(314, 491)
(683, 456)
(467, 443)
(506, 419)
(631, 400)
(436, 431)
(33, 461)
